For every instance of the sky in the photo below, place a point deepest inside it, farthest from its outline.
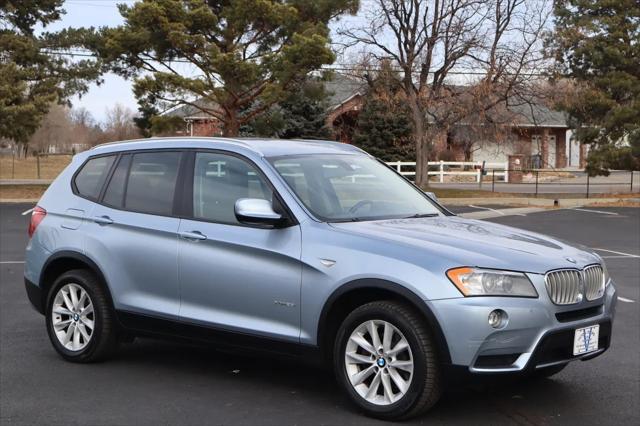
(115, 89)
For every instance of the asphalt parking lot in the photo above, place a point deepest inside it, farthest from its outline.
(155, 383)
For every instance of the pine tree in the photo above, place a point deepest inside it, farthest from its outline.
(245, 56)
(300, 116)
(597, 42)
(32, 76)
(384, 127)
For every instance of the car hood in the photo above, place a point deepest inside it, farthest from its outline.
(467, 242)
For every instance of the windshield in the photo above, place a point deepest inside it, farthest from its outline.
(339, 188)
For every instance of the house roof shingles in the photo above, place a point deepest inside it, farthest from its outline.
(341, 88)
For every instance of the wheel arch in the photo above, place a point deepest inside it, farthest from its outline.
(358, 292)
(63, 261)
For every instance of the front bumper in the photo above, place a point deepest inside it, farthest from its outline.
(538, 333)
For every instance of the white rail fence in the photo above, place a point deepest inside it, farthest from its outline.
(454, 168)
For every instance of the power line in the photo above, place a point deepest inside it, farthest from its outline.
(338, 67)
(112, 4)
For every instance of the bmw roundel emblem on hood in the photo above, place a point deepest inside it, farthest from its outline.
(570, 259)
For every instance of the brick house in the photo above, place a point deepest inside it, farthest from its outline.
(197, 122)
(538, 133)
(534, 131)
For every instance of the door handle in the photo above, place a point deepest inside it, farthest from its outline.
(193, 236)
(102, 220)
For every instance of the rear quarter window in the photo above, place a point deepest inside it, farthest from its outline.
(114, 194)
(89, 180)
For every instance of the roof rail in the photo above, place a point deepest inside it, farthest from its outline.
(173, 138)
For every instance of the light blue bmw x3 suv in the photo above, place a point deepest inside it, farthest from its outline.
(306, 248)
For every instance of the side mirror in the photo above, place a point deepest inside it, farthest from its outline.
(432, 195)
(255, 211)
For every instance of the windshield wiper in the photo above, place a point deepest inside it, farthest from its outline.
(418, 215)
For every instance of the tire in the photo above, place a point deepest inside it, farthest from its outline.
(545, 372)
(92, 344)
(422, 386)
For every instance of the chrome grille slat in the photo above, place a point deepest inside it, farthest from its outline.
(575, 284)
(569, 286)
(594, 282)
(558, 279)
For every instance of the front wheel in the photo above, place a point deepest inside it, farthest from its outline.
(386, 360)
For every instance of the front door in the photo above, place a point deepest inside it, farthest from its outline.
(234, 276)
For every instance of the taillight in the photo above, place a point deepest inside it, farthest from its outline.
(37, 215)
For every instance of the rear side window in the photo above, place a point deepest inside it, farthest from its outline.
(152, 182)
(114, 195)
(91, 177)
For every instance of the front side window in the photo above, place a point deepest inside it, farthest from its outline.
(339, 188)
(91, 177)
(220, 180)
(152, 182)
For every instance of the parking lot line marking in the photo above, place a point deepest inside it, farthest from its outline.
(9, 262)
(26, 212)
(624, 299)
(596, 211)
(486, 208)
(617, 257)
(617, 252)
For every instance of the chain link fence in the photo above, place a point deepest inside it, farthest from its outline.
(536, 182)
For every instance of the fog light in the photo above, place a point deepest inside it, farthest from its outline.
(498, 318)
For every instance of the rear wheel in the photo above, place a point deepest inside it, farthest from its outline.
(386, 360)
(79, 318)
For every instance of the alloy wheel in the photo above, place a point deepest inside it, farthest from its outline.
(72, 317)
(379, 362)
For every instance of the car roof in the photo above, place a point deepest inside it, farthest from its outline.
(263, 147)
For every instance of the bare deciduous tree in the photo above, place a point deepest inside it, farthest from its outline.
(430, 41)
(54, 133)
(119, 124)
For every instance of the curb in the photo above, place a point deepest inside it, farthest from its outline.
(537, 202)
(25, 182)
(19, 200)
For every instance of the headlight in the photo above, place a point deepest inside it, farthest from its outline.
(487, 282)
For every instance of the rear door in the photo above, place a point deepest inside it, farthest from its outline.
(231, 275)
(133, 233)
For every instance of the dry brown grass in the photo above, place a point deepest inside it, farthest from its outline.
(620, 203)
(21, 192)
(27, 168)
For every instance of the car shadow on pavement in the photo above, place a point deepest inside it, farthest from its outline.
(291, 385)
